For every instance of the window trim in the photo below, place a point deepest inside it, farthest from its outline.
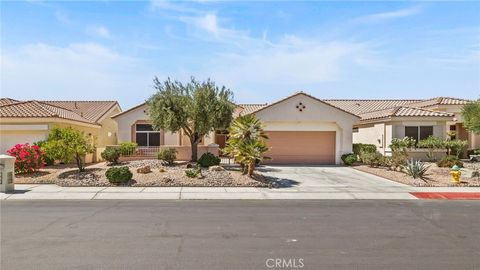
(418, 131)
(148, 134)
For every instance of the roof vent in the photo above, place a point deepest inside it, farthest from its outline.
(76, 107)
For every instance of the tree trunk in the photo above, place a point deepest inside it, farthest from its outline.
(194, 145)
(79, 163)
(251, 168)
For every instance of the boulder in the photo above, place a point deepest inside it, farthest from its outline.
(216, 168)
(144, 169)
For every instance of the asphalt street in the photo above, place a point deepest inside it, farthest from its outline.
(275, 234)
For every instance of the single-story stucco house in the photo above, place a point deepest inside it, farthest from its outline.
(383, 120)
(302, 130)
(30, 121)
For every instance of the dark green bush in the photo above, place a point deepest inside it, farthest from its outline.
(349, 159)
(361, 147)
(208, 159)
(128, 148)
(111, 154)
(119, 175)
(168, 155)
(449, 161)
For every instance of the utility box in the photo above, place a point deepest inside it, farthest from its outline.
(7, 168)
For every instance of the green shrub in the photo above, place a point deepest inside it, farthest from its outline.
(455, 147)
(168, 155)
(449, 161)
(208, 159)
(48, 160)
(432, 143)
(361, 147)
(473, 152)
(119, 175)
(127, 148)
(349, 159)
(402, 144)
(111, 154)
(399, 159)
(192, 173)
(372, 159)
(416, 169)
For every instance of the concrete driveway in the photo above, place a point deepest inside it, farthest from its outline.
(330, 179)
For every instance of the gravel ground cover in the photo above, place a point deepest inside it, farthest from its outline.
(160, 175)
(436, 176)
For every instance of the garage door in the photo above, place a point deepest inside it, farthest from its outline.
(301, 147)
(10, 139)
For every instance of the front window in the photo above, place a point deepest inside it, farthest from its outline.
(419, 133)
(145, 135)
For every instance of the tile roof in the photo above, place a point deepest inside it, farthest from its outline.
(402, 111)
(91, 110)
(5, 101)
(243, 109)
(440, 101)
(359, 106)
(305, 94)
(82, 111)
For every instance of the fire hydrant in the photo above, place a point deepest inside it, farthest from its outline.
(455, 173)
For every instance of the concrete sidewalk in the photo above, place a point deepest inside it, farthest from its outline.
(53, 192)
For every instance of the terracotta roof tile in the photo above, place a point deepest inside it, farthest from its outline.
(359, 106)
(91, 110)
(402, 111)
(243, 109)
(440, 101)
(5, 101)
(81, 111)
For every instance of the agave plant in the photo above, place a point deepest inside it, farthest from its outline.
(416, 169)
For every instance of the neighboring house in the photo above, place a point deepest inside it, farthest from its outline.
(31, 121)
(383, 120)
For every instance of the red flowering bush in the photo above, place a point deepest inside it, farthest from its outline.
(28, 158)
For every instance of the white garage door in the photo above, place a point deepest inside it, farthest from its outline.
(10, 139)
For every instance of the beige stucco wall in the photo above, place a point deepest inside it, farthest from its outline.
(375, 134)
(316, 116)
(381, 134)
(125, 122)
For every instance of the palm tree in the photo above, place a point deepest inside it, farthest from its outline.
(246, 143)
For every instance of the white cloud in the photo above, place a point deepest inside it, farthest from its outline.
(76, 71)
(310, 62)
(99, 31)
(389, 15)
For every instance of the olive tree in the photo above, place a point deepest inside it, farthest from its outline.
(471, 116)
(195, 108)
(68, 144)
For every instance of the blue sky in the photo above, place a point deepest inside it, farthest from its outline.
(261, 50)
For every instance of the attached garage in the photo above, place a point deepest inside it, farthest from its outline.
(301, 147)
(305, 130)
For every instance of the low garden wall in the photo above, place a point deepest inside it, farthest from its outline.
(184, 152)
(421, 154)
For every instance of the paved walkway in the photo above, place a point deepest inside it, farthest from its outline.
(52, 192)
(296, 182)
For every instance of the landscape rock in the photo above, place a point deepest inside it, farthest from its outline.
(216, 168)
(144, 169)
